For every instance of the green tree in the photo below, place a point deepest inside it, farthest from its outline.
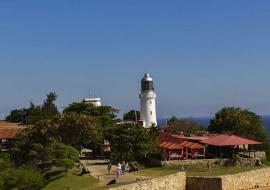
(104, 116)
(78, 129)
(172, 119)
(16, 116)
(129, 142)
(71, 129)
(35, 113)
(29, 144)
(239, 122)
(89, 109)
(132, 115)
(49, 108)
(61, 155)
(178, 126)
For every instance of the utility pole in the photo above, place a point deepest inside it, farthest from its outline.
(136, 121)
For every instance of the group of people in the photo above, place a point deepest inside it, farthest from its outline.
(120, 168)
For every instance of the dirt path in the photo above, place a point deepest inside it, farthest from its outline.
(99, 170)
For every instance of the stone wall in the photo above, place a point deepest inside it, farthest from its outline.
(187, 162)
(246, 162)
(247, 180)
(204, 183)
(175, 181)
(258, 154)
(241, 181)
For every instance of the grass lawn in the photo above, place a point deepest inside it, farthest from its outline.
(192, 170)
(70, 181)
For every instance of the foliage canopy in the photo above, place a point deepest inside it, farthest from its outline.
(239, 122)
(129, 141)
(178, 126)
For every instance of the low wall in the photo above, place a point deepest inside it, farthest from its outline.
(175, 181)
(241, 181)
(204, 183)
(187, 162)
(258, 154)
(246, 162)
(247, 180)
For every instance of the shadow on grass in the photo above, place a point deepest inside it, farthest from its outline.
(54, 174)
(77, 174)
(98, 164)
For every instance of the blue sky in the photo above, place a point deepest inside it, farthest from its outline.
(203, 55)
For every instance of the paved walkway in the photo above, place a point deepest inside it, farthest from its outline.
(99, 170)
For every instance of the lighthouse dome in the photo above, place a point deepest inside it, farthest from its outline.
(147, 77)
(147, 83)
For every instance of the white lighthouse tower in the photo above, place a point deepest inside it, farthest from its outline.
(148, 102)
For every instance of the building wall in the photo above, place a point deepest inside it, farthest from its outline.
(171, 182)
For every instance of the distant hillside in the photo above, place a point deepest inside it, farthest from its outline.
(206, 121)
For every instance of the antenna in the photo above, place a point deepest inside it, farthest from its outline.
(89, 93)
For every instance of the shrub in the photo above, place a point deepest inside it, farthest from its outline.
(30, 179)
(61, 154)
(158, 154)
(5, 163)
(67, 163)
(21, 178)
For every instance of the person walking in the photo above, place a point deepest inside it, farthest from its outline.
(123, 167)
(127, 167)
(118, 170)
(109, 167)
(209, 166)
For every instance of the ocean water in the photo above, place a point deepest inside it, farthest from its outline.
(206, 121)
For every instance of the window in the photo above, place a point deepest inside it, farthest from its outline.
(150, 102)
(151, 112)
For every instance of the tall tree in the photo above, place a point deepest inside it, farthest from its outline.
(132, 115)
(49, 108)
(239, 122)
(78, 129)
(129, 142)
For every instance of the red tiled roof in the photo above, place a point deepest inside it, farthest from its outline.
(171, 141)
(9, 130)
(8, 133)
(183, 144)
(196, 146)
(228, 140)
(175, 146)
(195, 138)
(168, 138)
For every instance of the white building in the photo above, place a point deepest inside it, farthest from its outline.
(148, 102)
(94, 101)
